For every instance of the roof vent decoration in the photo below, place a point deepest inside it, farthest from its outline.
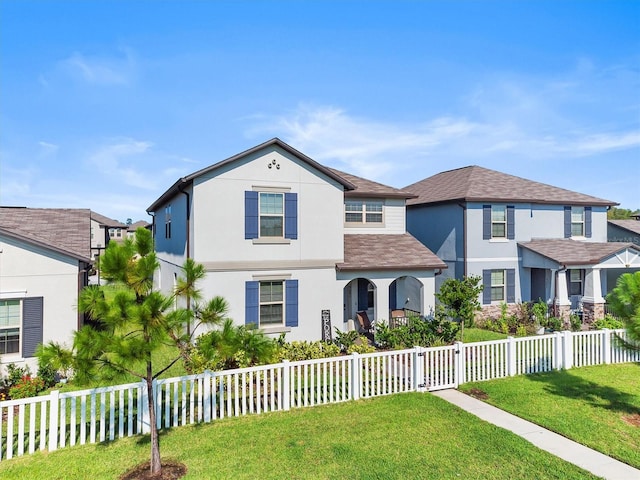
(273, 162)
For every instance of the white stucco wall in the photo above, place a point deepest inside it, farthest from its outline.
(29, 271)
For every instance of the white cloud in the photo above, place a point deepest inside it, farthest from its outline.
(103, 71)
(118, 160)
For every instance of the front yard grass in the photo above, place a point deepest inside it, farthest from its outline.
(596, 406)
(395, 437)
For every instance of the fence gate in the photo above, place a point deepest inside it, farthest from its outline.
(439, 368)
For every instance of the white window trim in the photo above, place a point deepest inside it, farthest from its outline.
(363, 212)
(581, 222)
(15, 355)
(272, 326)
(271, 239)
(504, 286)
(501, 222)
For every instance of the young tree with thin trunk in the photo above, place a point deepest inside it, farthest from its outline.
(131, 322)
(458, 300)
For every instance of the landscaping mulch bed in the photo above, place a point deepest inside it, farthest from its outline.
(170, 471)
(633, 419)
(477, 393)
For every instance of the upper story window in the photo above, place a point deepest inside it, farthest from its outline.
(498, 221)
(271, 214)
(363, 212)
(167, 221)
(577, 221)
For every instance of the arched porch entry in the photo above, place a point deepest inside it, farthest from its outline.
(359, 295)
(406, 293)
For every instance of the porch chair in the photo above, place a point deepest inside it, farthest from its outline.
(365, 324)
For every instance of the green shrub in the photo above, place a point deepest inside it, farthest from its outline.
(554, 323)
(345, 339)
(15, 375)
(303, 350)
(576, 322)
(361, 346)
(539, 311)
(608, 322)
(417, 332)
(47, 373)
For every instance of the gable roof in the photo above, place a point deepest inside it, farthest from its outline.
(369, 188)
(630, 225)
(64, 230)
(184, 181)
(479, 184)
(387, 252)
(106, 221)
(572, 252)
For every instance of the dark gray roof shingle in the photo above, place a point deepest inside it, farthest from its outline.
(369, 188)
(387, 252)
(64, 229)
(481, 184)
(631, 225)
(572, 252)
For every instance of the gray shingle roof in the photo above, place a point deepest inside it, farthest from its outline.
(573, 252)
(476, 183)
(387, 252)
(369, 188)
(631, 225)
(67, 230)
(106, 221)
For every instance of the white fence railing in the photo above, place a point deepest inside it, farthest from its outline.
(63, 419)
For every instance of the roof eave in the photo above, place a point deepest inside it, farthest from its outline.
(44, 245)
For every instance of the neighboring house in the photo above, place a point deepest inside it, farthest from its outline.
(103, 230)
(44, 261)
(624, 230)
(526, 240)
(132, 227)
(291, 243)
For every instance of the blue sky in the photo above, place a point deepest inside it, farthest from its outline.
(103, 105)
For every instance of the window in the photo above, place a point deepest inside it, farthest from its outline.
(577, 221)
(119, 232)
(363, 212)
(112, 232)
(575, 282)
(167, 221)
(10, 313)
(498, 221)
(271, 303)
(497, 285)
(271, 214)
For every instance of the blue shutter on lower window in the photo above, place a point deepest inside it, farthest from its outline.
(567, 222)
(250, 215)
(587, 222)
(511, 285)
(32, 309)
(252, 303)
(486, 283)
(486, 222)
(291, 313)
(511, 222)
(291, 215)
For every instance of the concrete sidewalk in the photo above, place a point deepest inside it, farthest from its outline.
(586, 458)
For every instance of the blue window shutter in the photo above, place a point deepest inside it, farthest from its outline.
(587, 222)
(32, 309)
(363, 294)
(511, 222)
(486, 283)
(567, 222)
(291, 215)
(252, 303)
(486, 222)
(250, 215)
(511, 285)
(291, 314)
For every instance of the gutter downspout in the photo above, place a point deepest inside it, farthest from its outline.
(464, 238)
(188, 240)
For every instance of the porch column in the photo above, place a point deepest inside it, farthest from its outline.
(592, 300)
(562, 302)
(382, 298)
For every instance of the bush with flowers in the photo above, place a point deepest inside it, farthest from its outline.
(26, 387)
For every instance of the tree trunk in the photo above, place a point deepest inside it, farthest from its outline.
(156, 465)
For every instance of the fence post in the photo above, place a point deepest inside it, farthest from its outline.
(355, 376)
(146, 420)
(206, 397)
(459, 364)
(286, 385)
(558, 360)
(567, 350)
(606, 345)
(53, 419)
(511, 356)
(419, 380)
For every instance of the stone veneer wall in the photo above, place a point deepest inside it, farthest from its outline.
(495, 311)
(592, 312)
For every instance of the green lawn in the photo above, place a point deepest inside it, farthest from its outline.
(472, 335)
(596, 406)
(395, 437)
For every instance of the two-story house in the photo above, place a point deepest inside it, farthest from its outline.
(526, 240)
(627, 230)
(44, 261)
(291, 243)
(103, 230)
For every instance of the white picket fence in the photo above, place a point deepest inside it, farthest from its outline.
(63, 419)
